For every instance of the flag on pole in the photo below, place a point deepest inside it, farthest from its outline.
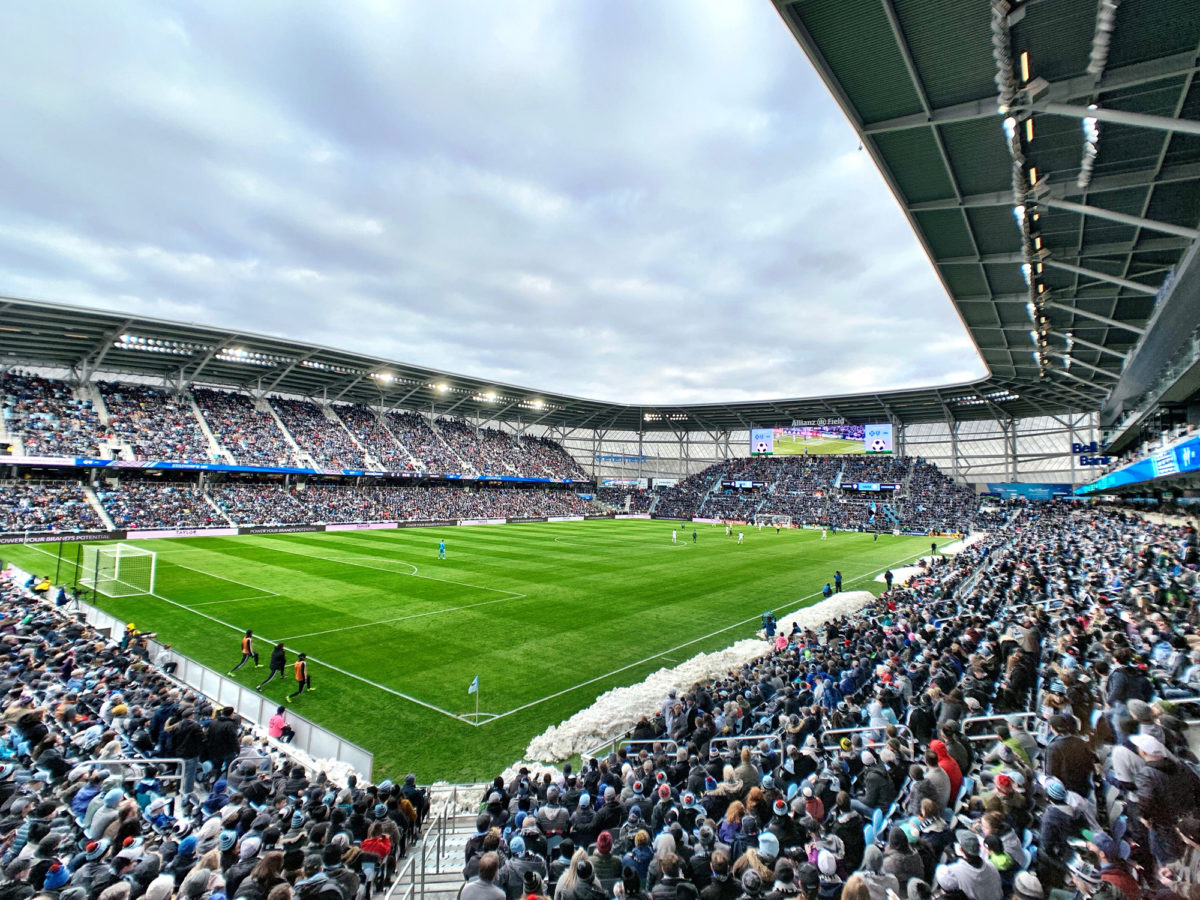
(474, 688)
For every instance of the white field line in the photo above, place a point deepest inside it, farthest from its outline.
(238, 599)
(705, 637)
(376, 568)
(420, 615)
(263, 637)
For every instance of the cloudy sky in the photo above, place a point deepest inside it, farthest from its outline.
(610, 198)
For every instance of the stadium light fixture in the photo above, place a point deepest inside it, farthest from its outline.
(1027, 273)
(442, 388)
(1010, 127)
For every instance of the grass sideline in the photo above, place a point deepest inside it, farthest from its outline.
(548, 615)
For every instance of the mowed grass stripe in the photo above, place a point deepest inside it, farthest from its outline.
(602, 614)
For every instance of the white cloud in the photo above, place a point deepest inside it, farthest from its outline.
(655, 204)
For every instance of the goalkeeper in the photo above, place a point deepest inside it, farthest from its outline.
(248, 651)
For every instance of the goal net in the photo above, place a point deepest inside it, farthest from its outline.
(776, 521)
(118, 570)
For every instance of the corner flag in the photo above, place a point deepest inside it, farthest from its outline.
(474, 688)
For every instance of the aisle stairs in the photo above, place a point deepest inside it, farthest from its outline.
(215, 450)
(433, 868)
(98, 507)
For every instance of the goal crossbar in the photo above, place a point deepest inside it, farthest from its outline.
(118, 570)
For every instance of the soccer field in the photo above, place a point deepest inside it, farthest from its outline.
(548, 616)
(787, 445)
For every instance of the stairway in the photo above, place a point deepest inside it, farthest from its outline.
(383, 423)
(98, 508)
(215, 450)
(262, 404)
(220, 512)
(369, 461)
(433, 869)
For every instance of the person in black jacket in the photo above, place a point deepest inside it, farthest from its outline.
(187, 742)
(223, 740)
(278, 663)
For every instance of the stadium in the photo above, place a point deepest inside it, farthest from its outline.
(284, 618)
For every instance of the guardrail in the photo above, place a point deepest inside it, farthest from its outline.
(141, 763)
(312, 739)
(902, 730)
(1007, 718)
(602, 750)
(753, 740)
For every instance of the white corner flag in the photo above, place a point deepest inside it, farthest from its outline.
(474, 688)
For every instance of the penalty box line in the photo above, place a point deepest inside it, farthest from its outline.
(338, 669)
(663, 653)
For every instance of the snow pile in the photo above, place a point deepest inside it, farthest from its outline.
(618, 710)
(905, 574)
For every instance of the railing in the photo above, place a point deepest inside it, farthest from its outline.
(600, 751)
(753, 740)
(310, 738)
(997, 717)
(413, 874)
(141, 763)
(902, 730)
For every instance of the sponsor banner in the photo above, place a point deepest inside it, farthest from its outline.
(564, 518)
(180, 533)
(526, 520)
(708, 521)
(37, 461)
(1029, 490)
(360, 526)
(54, 537)
(641, 516)
(440, 523)
(497, 521)
(625, 516)
(279, 529)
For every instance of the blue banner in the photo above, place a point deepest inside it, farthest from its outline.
(1031, 491)
(1183, 457)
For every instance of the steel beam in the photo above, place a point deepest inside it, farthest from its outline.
(1103, 276)
(1098, 212)
(1096, 316)
(1121, 117)
(1097, 347)
(1078, 362)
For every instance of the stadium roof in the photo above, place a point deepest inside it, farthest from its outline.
(1061, 135)
(1047, 154)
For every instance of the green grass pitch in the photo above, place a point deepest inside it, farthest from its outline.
(791, 446)
(548, 616)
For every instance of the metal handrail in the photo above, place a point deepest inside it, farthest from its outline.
(996, 717)
(902, 730)
(669, 744)
(755, 739)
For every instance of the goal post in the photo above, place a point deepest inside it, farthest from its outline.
(776, 521)
(118, 570)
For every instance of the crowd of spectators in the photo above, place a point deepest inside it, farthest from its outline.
(155, 424)
(258, 504)
(251, 435)
(326, 441)
(483, 450)
(47, 417)
(550, 457)
(366, 427)
(151, 505)
(934, 499)
(425, 504)
(46, 506)
(626, 499)
(1077, 626)
(86, 819)
(415, 434)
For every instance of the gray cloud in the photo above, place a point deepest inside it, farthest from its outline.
(643, 202)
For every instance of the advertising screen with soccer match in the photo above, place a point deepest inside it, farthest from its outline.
(821, 436)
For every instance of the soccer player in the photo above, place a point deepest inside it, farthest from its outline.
(278, 662)
(693, 535)
(740, 537)
(673, 536)
(442, 549)
(303, 679)
(247, 651)
(824, 533)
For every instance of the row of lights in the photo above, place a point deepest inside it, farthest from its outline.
(156, 345)
(669, 417)
(329, 367)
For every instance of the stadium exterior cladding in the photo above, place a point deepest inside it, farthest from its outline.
(177, 354)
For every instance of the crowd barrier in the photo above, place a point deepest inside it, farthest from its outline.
(319, 743)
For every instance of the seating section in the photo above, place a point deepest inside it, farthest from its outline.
(46, 507)
(153, 423)
(88, 724)
(48, 418)
(432, 453)
(818, 490)
(366, 427)
(326, 441)
(251, 435)
(258, 504)
(135, 505)
(948, 733)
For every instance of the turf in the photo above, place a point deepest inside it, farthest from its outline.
(547, 615)
(792, 446)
